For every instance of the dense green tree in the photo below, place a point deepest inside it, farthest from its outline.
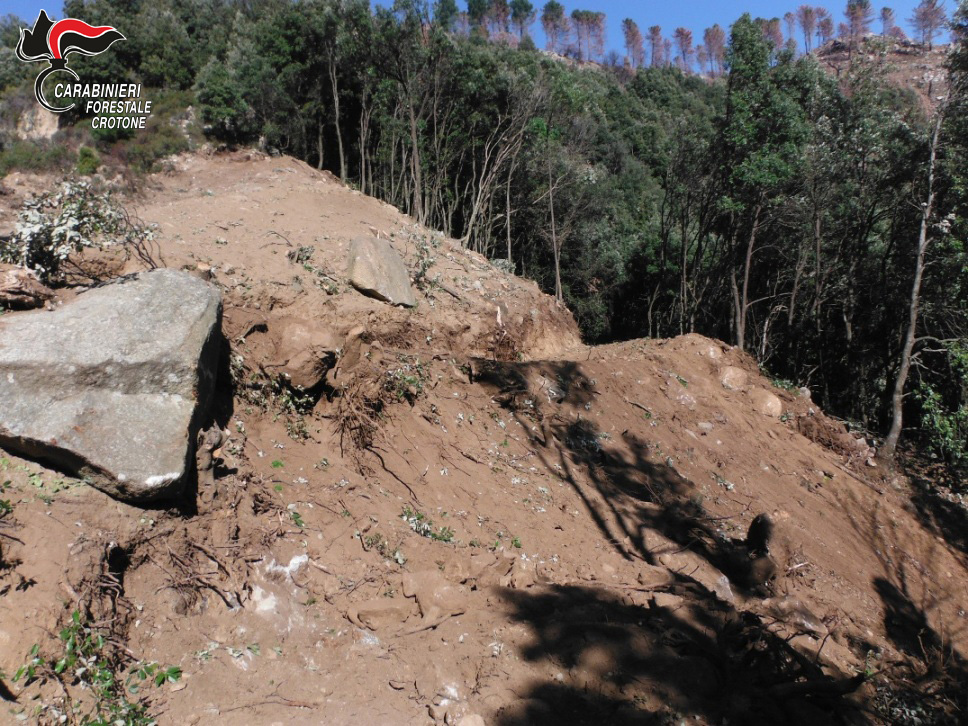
(445, 13)
(522, 16)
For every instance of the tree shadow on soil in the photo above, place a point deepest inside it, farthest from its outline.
(629, 660)
(624, 663)
(624, 490)
(928, 680)
(940, 515)
(931, 682)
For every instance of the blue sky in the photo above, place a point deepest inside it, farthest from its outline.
(694, 14)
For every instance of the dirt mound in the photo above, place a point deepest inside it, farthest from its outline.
(467, 513)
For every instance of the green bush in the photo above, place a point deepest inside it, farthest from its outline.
(159, 140)
(87, 161)
(33, 156)
(944, 409)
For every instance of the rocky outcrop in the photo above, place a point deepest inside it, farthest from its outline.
(113, 386)
(376, 270)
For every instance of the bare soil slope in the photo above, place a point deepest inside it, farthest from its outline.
(476, 515)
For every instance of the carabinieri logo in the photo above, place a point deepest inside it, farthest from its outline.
(52, 42)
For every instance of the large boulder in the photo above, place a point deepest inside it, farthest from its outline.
(113, 386)
(375, 269)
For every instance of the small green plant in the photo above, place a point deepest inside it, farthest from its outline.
(91, 661)
(301, 255)
(425, 260)
(777, 382)
(383, 546)
(297, 519)
(277, 464)
(516, 542)
(406, 382)
(425, 527)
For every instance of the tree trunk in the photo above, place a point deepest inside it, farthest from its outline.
(507, 220)
(339, 133)
(897, 400)
(747, 264)
(416, 169)
(554, 236)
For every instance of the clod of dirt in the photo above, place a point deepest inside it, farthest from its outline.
(21, 290)
(380, 613)
(302, 351)
(436, 597)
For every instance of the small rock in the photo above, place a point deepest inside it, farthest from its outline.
(675, 391)
(733, 378)
(705, 427)
(766, 403)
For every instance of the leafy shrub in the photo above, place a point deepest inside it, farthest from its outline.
(87, 161)
(944, 415)
(77, 216)
(161, 139)
(33, 156)
(223, 104)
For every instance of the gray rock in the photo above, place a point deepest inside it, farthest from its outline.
(113, 386)
(375, 269)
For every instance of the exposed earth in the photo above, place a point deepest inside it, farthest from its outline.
(466, 516)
